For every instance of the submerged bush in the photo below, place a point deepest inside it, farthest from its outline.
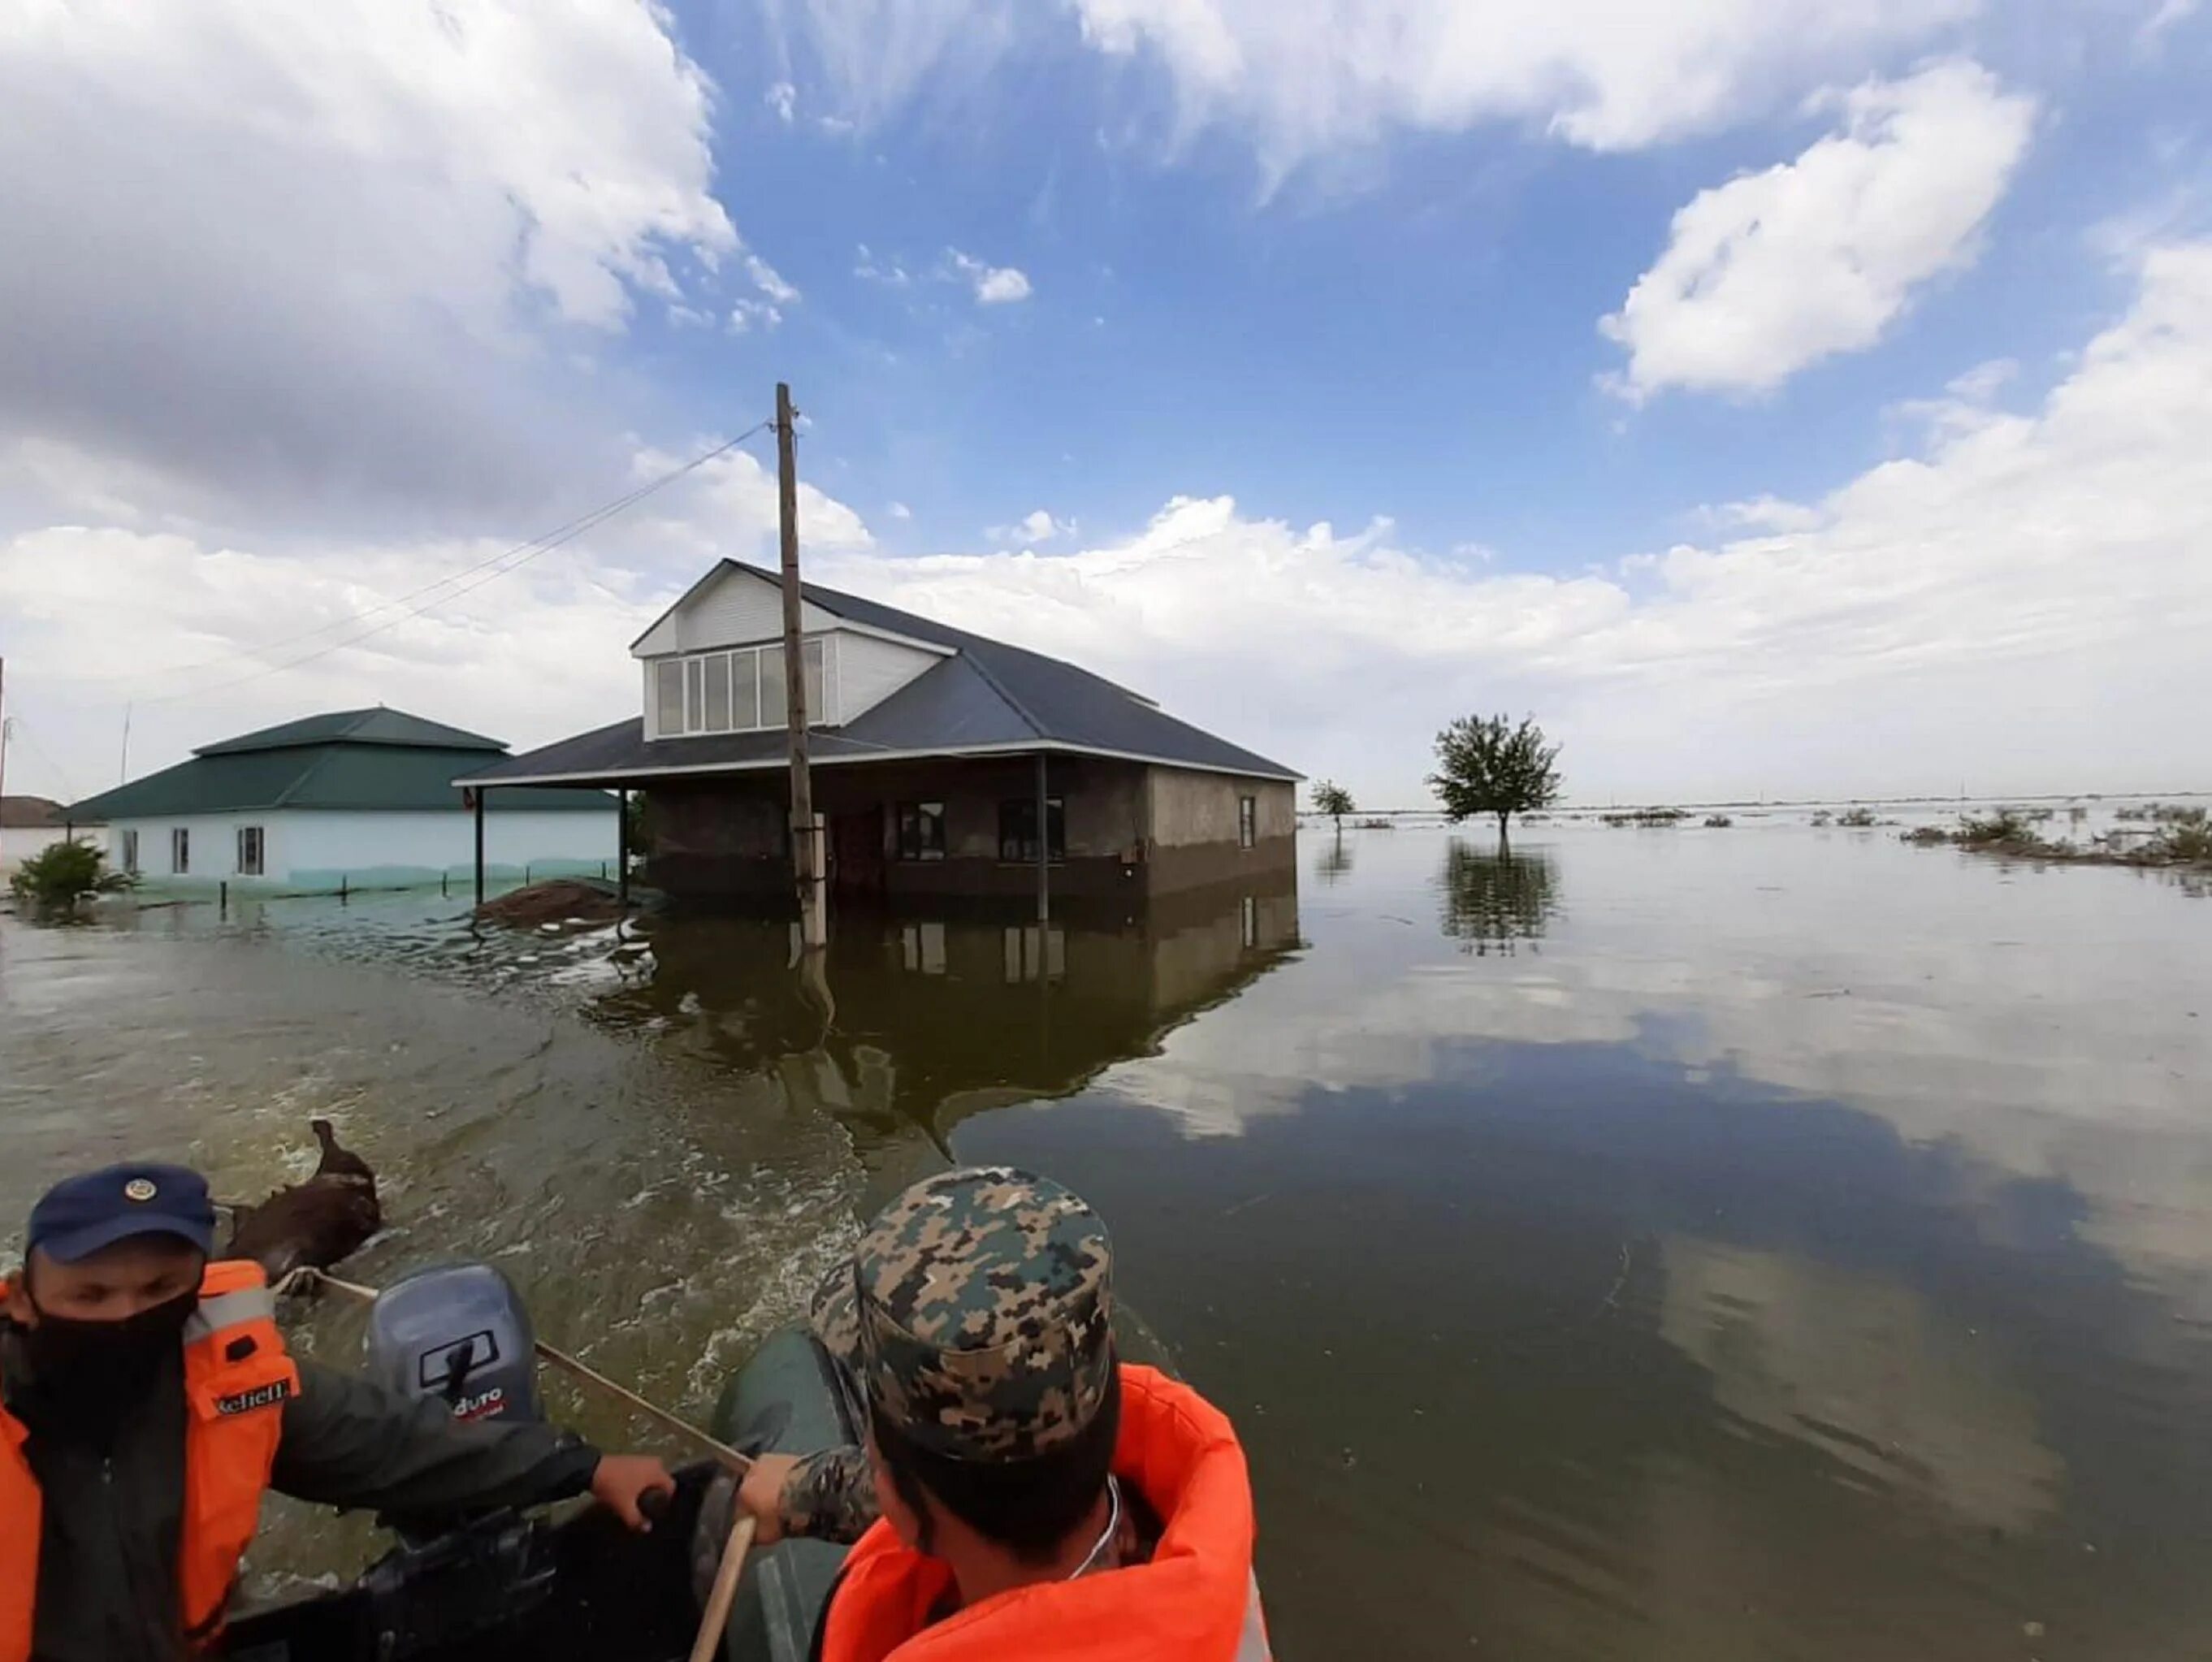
(56, 877)
(1718, 821)
(1858, 819)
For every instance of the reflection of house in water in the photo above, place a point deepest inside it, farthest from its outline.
(937, 1018)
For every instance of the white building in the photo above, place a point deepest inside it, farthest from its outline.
(355, 799)
(31, 825)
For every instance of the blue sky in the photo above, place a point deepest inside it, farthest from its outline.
(1099, 310)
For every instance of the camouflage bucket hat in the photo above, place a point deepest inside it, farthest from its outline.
(984, 1304)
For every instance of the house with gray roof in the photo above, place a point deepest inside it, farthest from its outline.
(943, 762)
(350, 800)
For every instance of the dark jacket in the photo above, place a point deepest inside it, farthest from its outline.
(112, 1519)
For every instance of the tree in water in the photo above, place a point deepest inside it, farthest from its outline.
(1486, 765)
(1333, 800)
(53, 880)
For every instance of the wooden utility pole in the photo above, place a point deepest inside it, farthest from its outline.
(806, 835)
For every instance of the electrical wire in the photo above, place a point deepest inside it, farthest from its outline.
(495, 565)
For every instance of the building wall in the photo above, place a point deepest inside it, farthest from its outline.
(18, 843)
(1193, 819)
(736, 610)
(314, 853)
(727, 836)
(869, 670)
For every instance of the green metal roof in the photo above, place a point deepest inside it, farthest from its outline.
(361, 763)
(376, 726)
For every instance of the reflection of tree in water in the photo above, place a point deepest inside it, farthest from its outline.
(1335, 860)
(1495, 902)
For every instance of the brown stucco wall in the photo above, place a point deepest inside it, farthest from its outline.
(1193, 818)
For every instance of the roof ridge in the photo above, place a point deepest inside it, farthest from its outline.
(324, 752)
(999, 688)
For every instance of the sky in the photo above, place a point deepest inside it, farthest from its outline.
(1774, 398)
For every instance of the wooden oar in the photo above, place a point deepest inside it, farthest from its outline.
(717, 1615)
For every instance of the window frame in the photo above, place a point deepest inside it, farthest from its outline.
(180, 850)
(916, 815)
(691, 713)
(260, 865)
(1248, 822)
(1055, 813)
(129, 850)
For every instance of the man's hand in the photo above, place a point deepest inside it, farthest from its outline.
(622, 1479)
(762, 1494)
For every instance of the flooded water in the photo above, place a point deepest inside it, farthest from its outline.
(1757, 1243)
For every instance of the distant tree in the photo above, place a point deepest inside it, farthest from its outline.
(1486, 765)
(1333, 800)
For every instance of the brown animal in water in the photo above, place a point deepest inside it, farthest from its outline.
(315, 1223)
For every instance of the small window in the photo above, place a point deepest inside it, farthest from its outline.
(922, 831)
(668, 682)
(695, 697)
(249, 850)
(180, 850)
(130, 852)
(1018, 839)
(1248, 822)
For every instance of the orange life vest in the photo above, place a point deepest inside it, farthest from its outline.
(1195, 1601)
(237, 1377)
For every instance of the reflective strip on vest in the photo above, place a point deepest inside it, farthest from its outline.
(230, 1310)
(1253, 1645)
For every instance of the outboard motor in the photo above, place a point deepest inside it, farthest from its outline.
(458, 1332)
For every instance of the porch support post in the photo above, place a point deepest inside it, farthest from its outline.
(622, 849)
(1044, 851)
(479, 831)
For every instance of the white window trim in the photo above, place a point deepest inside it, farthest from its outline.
(694, 664)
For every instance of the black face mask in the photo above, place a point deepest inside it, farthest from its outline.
(87, 1376)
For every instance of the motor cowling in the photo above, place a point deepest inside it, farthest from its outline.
(458, 1332)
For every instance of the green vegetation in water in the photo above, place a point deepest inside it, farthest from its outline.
(1823, 818)
(2184, 841)
(2162, 812)
(1858, 819)
(1487, 765)
(56, 879)
(1660, 817)
(1718, 821)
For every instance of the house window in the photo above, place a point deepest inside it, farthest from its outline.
(249, 850)
(921, 830)
(1248, 821)
(130, 852)
(1018, 834)
(180, 850)
(735, 691)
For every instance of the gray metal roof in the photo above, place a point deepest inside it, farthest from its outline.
(988, 696)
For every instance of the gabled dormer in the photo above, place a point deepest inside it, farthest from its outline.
(714, 661)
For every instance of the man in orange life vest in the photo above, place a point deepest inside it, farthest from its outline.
(1031, 1495)
(150, 1402)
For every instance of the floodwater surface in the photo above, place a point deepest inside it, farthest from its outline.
(1755, 1243)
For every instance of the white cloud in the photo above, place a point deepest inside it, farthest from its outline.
(2020, 605)
(900, 511)
(769, 281)
(747, 315)
(1307, 80)
(890, 273)
(783, 99)
(235, 216)
(1032, 529)
(995, 285)
(1776, 270)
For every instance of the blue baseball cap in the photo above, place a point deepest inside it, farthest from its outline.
(80, 1214)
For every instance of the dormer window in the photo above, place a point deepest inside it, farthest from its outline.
(737, 691)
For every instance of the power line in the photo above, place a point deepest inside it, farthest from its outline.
(504, 561)
(22, 735)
